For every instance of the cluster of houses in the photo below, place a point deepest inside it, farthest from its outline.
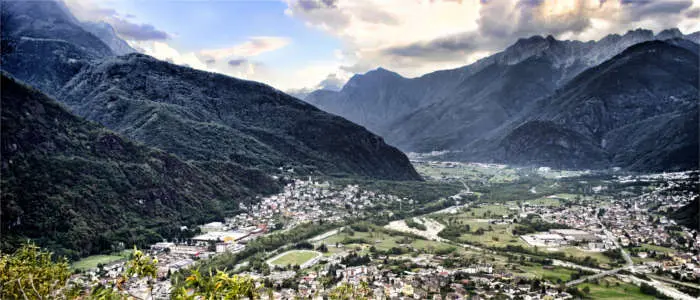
(308, 200)
(478, 281)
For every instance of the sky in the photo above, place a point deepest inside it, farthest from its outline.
(301, 45)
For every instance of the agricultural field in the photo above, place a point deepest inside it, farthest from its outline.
(468, 172)
(610, 288)
(497, 236)
(294, 257)
(93, 261)
(555, 275)
(381, 240)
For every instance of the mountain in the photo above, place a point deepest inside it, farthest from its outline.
(78, 188)
(205, 116)
(107, 35)
(637, 110)
(470, 110)
(196, 115)
(44, 45)
(688, 215)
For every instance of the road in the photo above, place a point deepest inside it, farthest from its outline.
(593, 277)
(629, 263)
(664, 279)
(664, 289)
(325, 235)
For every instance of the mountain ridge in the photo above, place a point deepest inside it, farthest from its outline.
(77, 188)
(469, 109)
(191, 118)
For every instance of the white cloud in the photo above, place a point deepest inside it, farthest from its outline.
(89, 10)
(414, 37)
(252, 47)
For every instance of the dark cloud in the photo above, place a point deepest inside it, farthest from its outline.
(237, 62)
(309, 5)
(693, 13)
(137, 32)
(441, 49)
(641, 9)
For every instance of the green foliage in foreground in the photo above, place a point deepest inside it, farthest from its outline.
(217, 286)
(347, 291)
(30, 273)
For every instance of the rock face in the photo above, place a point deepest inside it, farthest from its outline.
(471, 110)
(78, 188)
(107, 35)
(193, 114)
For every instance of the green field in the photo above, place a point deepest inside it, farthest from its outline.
(498, 236)
(544, 201)
(487, 211)
(380, 240)
(502, 235)
(470, 172)
(581, 254)
(558, 273)
(294, 257)
(615, 289)
(94, 260)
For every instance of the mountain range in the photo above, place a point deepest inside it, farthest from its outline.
(77, 187)
(194, 114)
(100, 149)
(531, 103)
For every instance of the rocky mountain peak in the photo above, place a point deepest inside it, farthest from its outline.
(671, 33)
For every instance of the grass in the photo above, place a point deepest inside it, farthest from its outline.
(615, 290)
(92, 261)
(486, 211)
(380, 240)
(555, 202)
(582, 254)
(660, 249)
(294, 257)
(469, 172)
(553, 275)
(499, 236)
(502, 235)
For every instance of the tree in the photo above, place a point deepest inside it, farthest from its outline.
(30, 273)
(586, 290)
(347, 291)
(217, 286)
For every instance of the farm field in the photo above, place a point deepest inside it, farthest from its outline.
(94, 260)
(380, 240)
(294, 257)
(610, 288)
(555, 275)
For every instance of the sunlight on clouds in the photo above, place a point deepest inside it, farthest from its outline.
(253, 47)
(412, 37)
(416, 37)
